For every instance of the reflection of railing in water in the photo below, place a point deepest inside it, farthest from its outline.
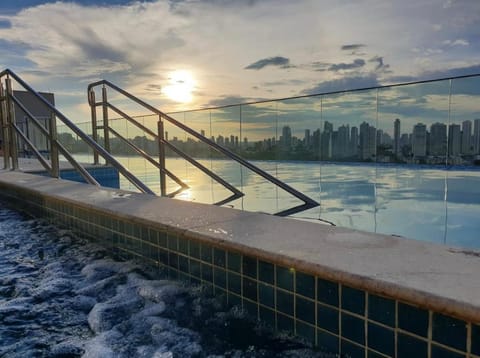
(162, 142)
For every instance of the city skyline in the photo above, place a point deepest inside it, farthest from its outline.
(363, 142)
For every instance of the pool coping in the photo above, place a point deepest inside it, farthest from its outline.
(432, 276)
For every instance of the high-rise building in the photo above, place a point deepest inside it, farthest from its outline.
(466, 137)
(396, 137)
(476, 136)
(454, 140)
(307, 139)
(438, 139)
(354, 141)
(419, 140)
(343, 141)
(367, 141)
(286, 137)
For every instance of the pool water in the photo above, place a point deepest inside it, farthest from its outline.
(62, 296)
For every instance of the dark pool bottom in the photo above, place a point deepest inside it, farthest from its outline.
(62, 296)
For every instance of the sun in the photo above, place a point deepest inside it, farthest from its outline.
(180, 86)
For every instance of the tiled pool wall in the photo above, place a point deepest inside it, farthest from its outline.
(330, 315)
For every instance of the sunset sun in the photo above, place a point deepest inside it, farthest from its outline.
(180, 86)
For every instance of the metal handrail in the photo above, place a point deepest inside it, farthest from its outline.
(308, 203)
(94, 145)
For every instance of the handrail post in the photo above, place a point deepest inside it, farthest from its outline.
(53, 147)
(161, 157)
(93, 110)
(4, 127)
(105, 119)
(10, 122)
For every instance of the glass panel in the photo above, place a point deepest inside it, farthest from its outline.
(299, 123)
(412, 149)
(348, 154)
(463, 194)
(259, 128)
(225, 130)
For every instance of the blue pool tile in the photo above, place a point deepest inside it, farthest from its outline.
(207, 273)
(250, 289)
(183, 246)
(285, 278)
(266, 272)
(285, 323)
(206, 253)
(306, 331)
(266, 295)
(234, 283)
(408, 346)
(476, 339)
(195, 268)
(173, 260)
(234, 300)
(440, 352)
(328, 318)
(305, 309)
(353, 328)
(327, 292)
(413, 319)
(285, 302)
(381, 309)
(267, 316)
(234, 262)
(381, 339)
(251, 308)
(172, 242)
(152, 235)
(183, 264)
(195, 249)
(162, 239)
(327, 342)
(305, 284)
(220, 277)
(249, 266)
(353, 300)
(351, 350)
(219, 257)
(372, 354)
(449, 331)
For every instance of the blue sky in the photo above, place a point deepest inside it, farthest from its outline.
(224, 51)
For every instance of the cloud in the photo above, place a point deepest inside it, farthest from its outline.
(357, 63)
(229, 101)
(380, 64)
(457, 42)
(343, 84)
(352, 47)
(279, 61)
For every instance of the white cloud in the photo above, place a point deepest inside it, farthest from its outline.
(137, 45)
(457, 42)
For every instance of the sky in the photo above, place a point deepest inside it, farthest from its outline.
(186, 54)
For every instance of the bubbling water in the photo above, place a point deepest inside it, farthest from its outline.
(62, 296)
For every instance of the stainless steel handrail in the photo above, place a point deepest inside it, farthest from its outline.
(94, 145)
(307, 202)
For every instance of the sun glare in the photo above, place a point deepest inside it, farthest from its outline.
(180, 86)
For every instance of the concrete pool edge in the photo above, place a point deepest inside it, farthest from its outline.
(426, 275)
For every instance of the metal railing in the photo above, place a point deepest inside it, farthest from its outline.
(308, 203)
(11, 132)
